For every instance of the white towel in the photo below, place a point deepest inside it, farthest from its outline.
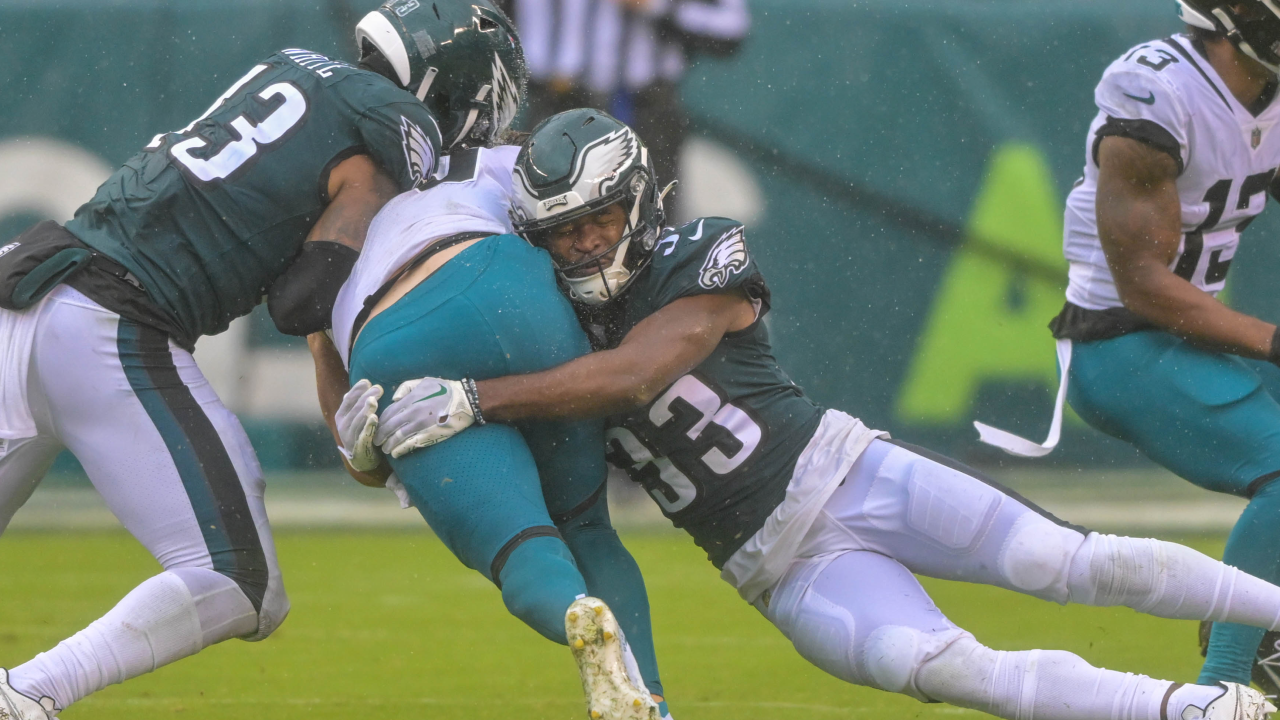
(17, 335)
(1022, 447)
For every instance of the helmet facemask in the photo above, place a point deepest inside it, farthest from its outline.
(631, 252)
(576, 164)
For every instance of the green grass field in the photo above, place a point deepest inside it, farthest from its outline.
(388, 624)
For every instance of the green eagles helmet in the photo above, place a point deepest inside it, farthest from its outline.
(575, 164)
(1253, 26)
(461, 58)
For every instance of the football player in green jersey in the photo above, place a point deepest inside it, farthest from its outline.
(818, 521)
(270, 191)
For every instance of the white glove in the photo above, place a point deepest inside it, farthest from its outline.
(357, 421)
(424, 412)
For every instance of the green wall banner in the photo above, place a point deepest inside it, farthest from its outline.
(912, 157)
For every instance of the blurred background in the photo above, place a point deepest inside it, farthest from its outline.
(901, 166)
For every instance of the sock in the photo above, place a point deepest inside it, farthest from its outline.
(613, 576)
(1168, 580)
(663, 712)
(1040, 684)
(152, 626)
(539, 583)
(1252, 548)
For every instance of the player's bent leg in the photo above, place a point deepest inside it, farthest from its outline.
(539, 582)
(943, 520)
(481, 495)
(176, 469)
(864, 618)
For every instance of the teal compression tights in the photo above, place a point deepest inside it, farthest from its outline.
(481, 495)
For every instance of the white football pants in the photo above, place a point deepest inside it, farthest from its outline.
(172, 464)
(850, 604)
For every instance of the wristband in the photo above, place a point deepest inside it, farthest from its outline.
(1273, 357)
(473, 397)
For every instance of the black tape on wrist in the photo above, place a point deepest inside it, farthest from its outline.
(473, 397)
(1274, 356)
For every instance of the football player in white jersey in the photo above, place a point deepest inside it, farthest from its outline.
(441, 283)
(1180, 159)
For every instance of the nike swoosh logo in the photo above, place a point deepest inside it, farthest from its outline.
(1148, 100)
(432, 395)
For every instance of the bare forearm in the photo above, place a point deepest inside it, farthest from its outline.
(592, 386)
(331, 385)
(331, 379)
(1179, 307)
(657, 351)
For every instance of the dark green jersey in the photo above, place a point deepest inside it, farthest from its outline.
(717, 448)
(209, 216)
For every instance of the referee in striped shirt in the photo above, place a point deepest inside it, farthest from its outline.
(623, 56)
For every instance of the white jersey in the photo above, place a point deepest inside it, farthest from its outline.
(1165, 93)
(471, 192)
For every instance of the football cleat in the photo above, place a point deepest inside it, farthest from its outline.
(612, 685)
(1238, 702)
(16, 706)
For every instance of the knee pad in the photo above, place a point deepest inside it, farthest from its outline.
(1036, 557)
(226, 611)
(887, 657)
(1110, 570)
(893, 656)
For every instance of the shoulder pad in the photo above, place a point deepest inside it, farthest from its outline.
(706, 256)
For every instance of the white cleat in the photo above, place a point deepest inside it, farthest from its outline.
(1239, 702)
(16, 706)
(597, 643)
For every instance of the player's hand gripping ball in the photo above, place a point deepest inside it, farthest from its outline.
(357, 421)
(425, 412)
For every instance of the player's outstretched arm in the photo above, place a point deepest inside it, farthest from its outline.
(1140, 226)
(657, 352)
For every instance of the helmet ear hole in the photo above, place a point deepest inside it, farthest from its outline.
(487, 24)
(372, 59)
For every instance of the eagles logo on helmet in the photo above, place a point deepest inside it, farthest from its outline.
(1253, 26)
(462, 60)
(575, 164)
